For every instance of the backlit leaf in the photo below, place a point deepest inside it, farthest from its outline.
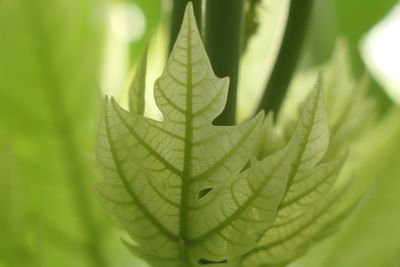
(181, 187)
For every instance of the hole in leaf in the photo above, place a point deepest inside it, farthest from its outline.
(205, 261)
(202, 193)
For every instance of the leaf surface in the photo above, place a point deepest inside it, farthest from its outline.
(138, 87)
(289, 239)
(181, 186)
(308, 211)
(154, 170)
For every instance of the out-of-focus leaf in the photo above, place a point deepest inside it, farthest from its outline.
(371, 237)
(308, 211)
(138, 87)
(15, 224)
(50, 57)
(290, 238)
(271, 140)
(346, 99)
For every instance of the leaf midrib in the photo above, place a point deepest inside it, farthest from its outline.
(303, 147)
(183, 211)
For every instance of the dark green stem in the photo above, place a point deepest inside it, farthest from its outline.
(178, 11)
(224, 21)
(289, 54)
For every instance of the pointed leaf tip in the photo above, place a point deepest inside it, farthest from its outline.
(153, 170)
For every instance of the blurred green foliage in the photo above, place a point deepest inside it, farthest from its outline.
(371, 236)
(152, 11)
(51, 55)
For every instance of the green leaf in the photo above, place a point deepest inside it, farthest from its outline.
(138, 87)
(155, 170)
(289, 238)
(370, 237)
(181, 187)
(50, 57)
(14, 217)
(346, 99)
(270, 141)
(306, 213)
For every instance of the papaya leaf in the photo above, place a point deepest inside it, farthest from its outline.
(154, 170)
(182, 188)
(309, 210)
(271, 140)
(138, 87)
(289, 239)
(347, 99)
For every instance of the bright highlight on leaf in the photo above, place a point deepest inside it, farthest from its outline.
(181, 187)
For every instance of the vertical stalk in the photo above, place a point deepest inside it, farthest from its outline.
(178, 9)
(224, 21)
(289, 54)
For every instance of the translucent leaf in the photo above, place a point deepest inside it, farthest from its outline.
(247, 205)
(301, 217)
(138, 86)
(270, 141)
(154, 170)
(286, 241)
(181, 187)
(346, 99)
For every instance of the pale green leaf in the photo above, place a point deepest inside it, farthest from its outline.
(346, 99)
(138, 86)
(313, 130)
(246, 205)
(271, 140)
(290, 239)
(155, 170)
(182, 187)
(301, 220)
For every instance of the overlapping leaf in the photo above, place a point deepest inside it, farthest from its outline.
(178, 186)
(289, 239)
(308, 210)
(155, 170)
(138, 87)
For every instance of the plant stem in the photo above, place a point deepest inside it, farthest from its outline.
(224, 20)
(178, 10)
(289, 54)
